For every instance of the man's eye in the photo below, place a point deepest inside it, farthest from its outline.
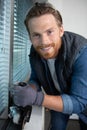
(36, 35)
(50, 32)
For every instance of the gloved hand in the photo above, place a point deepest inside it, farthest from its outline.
(23, 96)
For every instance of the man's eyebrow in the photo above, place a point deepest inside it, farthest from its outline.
(35, 33)
(50, 29)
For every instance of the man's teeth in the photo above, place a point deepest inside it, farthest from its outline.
(46, 48)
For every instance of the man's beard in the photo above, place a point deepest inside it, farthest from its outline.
(42, 46)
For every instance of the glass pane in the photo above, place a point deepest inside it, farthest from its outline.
(5, 12)
(21, 69)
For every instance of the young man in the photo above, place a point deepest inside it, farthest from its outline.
(58, 64)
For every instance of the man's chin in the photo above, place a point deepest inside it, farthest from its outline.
(47, 56)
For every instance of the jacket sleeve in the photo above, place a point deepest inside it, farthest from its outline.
(76, 100)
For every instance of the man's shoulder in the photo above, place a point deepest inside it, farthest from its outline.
(73, 35)
(74, 39)
(32, 50)
(33, 53)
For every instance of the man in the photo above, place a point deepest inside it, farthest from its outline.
(58, 64)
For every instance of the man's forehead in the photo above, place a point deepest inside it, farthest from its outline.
(42, 21)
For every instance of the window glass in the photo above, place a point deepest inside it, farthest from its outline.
(4, 52)
(21, 69)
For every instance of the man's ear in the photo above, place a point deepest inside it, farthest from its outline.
(61, 31)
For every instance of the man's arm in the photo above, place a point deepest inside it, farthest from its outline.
(53, 102)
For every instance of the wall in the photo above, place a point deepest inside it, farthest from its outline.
(74, 14)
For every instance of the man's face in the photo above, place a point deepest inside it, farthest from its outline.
(45, 35)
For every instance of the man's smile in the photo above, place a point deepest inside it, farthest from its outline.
(46, 48)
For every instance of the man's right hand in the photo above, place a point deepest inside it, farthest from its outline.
(26, 95)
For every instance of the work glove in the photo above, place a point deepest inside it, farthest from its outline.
(24, 94)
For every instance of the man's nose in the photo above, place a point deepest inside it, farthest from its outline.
(45, 40)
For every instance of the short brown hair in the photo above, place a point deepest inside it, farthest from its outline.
(40, 9)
